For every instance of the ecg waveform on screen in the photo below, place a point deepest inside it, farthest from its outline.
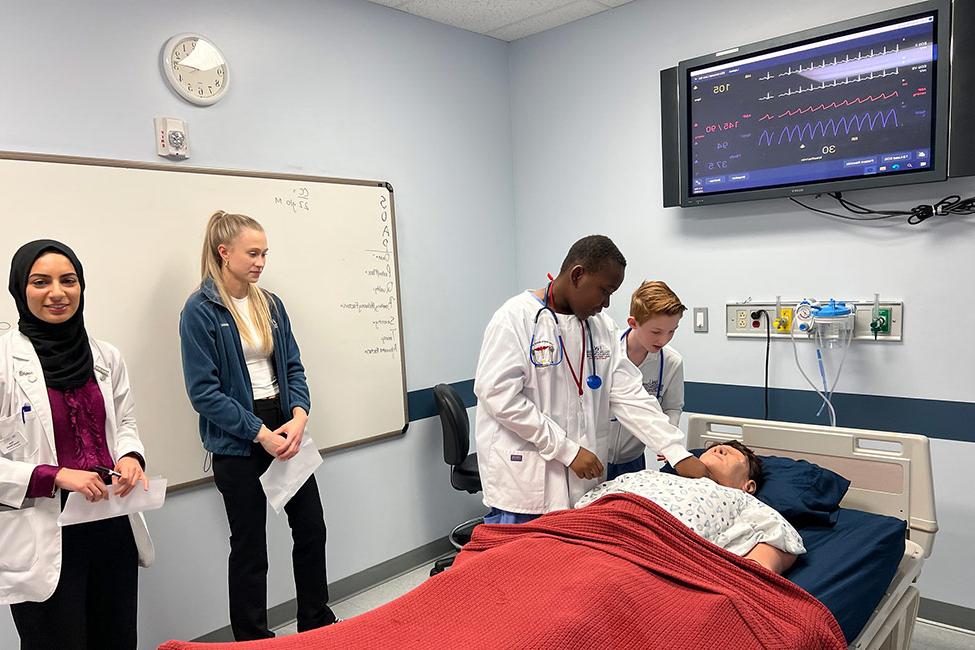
(825, 85)
(822, 107)
(810, 130)
(860, 56)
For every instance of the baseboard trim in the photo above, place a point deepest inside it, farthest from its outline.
(348, 587)
(947, 614)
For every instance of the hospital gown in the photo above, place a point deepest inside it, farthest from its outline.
(732, 519)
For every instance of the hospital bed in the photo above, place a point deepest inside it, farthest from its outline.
(890, 474)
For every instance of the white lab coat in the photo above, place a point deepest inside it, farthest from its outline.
(531, 421)
(623, 445)
(30, 539)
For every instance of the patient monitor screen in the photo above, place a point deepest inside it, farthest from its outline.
(843, 106)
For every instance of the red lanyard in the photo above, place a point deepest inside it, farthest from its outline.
(582, 360)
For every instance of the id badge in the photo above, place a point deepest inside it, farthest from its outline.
(102, 373)
(11, 442)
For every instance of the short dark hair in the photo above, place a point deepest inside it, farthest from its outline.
(592, 253)
(754, 462)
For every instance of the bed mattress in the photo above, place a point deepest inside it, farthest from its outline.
(850, 566)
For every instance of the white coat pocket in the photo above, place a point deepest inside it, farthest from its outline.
(15, 437)
(521, 473)
(18, 540)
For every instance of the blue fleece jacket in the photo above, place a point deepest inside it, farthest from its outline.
(216, 376)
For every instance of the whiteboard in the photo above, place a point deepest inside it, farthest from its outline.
(138, 230)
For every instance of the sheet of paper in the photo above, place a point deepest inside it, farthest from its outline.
(78, 510)
(284, 478)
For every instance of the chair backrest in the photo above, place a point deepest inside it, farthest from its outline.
(453, 420)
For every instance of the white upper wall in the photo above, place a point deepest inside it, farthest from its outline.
(342, 88)
(586, 138)
(585, 112)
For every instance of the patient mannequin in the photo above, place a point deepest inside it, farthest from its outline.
(720, 506)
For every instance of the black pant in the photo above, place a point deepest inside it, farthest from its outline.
(94, 605)
(237, 478)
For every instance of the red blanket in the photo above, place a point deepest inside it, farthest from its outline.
(621, 573)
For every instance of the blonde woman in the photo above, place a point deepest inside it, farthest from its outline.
(244, 377)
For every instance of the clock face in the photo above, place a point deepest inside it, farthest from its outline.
(196, 69)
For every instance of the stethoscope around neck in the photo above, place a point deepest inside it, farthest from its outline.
(660, 369)
(544, 355)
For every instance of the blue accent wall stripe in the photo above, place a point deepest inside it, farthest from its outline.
(933, 418)
(421, 404)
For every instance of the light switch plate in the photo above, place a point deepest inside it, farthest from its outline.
(700, 319)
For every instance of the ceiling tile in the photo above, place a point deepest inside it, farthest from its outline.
(503, 19)
(554, 18)
(480, 16)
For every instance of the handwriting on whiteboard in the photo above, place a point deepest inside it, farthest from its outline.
(378, 308)
(299, 199)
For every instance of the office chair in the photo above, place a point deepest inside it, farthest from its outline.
(463, 466)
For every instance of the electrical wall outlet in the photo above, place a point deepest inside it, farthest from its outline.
(742, 316)
(747, 318)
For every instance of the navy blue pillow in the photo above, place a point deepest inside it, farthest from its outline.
(804, 493)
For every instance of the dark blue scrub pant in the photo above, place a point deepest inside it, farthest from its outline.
(614, 470)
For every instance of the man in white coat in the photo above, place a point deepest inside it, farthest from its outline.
(550, 373)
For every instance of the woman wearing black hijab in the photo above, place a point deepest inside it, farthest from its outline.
(66, 416)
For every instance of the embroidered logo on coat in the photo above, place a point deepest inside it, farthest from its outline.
(602, 353)
(543, 353)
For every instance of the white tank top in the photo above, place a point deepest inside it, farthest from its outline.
(264, 384)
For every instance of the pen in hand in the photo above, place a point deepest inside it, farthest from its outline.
(123, 484)
(101, 469)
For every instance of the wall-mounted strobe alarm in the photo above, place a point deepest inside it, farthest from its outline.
(171, 139)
